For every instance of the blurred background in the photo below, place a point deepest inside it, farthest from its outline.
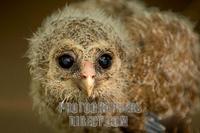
(18, 20)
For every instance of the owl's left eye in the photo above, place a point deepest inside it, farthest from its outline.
(66, 61)
(105, 61)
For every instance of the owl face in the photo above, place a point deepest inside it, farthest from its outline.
(87, 65)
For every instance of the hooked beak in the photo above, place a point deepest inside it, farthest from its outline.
(87, 75)
(87, 84)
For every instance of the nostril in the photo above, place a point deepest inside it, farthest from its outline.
(83, 75)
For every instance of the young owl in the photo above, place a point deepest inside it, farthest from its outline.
(116, 51)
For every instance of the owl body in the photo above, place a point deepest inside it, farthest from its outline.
(115, 52)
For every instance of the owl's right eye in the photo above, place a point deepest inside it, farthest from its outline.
(65, 61)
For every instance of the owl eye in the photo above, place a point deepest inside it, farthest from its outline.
(105, 61)
(66, 61)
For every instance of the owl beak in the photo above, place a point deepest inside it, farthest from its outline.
(88, 84)
(87, 77)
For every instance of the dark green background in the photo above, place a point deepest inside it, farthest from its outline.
(18, 19)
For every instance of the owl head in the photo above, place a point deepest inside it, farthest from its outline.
(80, 56)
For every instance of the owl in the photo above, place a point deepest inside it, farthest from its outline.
(116, 51)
